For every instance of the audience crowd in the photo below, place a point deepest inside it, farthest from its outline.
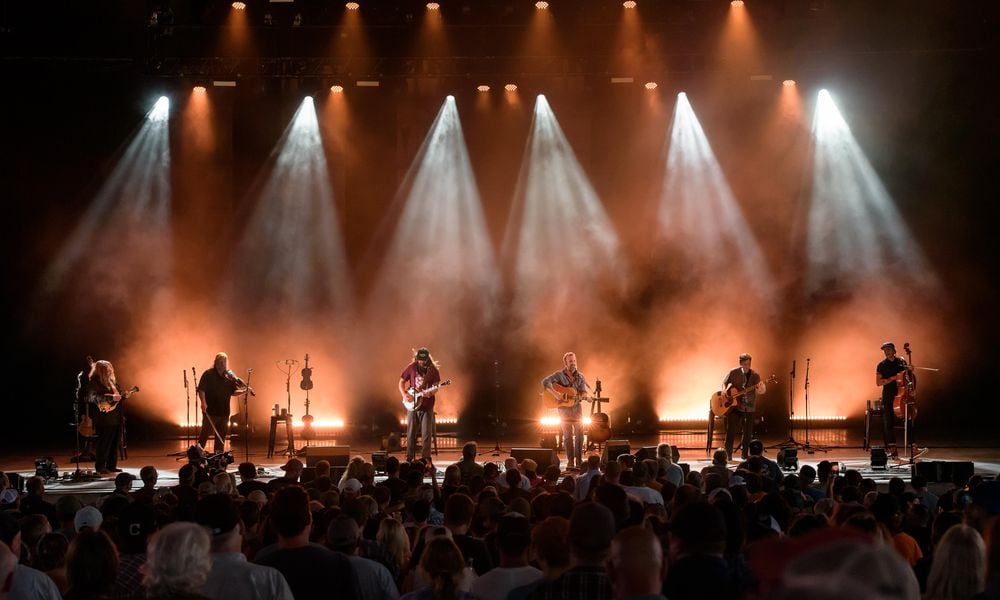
(625, 529)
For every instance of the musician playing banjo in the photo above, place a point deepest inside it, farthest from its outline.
(419, 375)
(747, 381)
(571, 414)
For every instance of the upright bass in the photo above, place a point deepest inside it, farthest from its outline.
(906, 385)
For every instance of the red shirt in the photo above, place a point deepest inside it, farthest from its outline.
(421, 381)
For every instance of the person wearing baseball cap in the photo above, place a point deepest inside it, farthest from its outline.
(231, 575)
(421, 374)
(885, 377)
(293, 469)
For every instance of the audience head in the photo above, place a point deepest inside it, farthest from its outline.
(469, 451)
(458, 510)
(343, 534)
(513, 535)
(149, 475)
(290, 511)
(591, 529)
(52, 551)
(698, 529)
(178, 560)
(550, 542)
(91, 564)
(443, 564)
(959, 566)
(636, 566)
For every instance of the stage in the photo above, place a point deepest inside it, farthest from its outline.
(167, 455)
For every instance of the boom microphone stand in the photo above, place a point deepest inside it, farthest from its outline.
(187, 394)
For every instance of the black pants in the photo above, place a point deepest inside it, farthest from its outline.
(888, 424)
(221, 424)
(743, 420)
(109, 439)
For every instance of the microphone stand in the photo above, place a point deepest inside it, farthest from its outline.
(497, 450)
(791, 442)
(246, 418)
(187, 394)
(810, 449)
(78, 475)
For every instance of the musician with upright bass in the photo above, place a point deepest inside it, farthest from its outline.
(897, 379)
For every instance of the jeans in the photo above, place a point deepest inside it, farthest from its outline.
(571, 421)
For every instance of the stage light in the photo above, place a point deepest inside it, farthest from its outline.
(788, 83)
(483, 88)
(510, 87)
(856, 233)
(433, 6)
(352, 6)
(239, 5)
(337, 89)
(788, 458)
(200, 89)
(268, 19)
(297, 20)
(161, 110)
(736, 4)
(541, 5)
(629, 4)
(650, 85)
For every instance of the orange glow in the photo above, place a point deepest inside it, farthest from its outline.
(736, 4)
(510, 87)
(234, 38)
(483, 88)
(550, 421)
(197, 121)
(650, 85)
(629, 4)
(790, 105)
(352, 6)
(541, 5)
(788, 83)
(337, 89)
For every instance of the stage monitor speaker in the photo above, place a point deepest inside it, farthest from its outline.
(337, 456)
(378, 461)
(941, 471)
(645, 452)
(613, 449)
(543, 456)
(957, 471)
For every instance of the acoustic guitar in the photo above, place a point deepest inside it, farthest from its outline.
(414, 397)
(723, 404)
(567, 397)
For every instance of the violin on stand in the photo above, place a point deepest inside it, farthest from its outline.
(308, 433)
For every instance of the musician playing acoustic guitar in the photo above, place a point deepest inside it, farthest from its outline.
(747, 381)
(419, 375)
(570, 411)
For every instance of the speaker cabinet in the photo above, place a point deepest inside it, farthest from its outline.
(543, 456)
(615, 448)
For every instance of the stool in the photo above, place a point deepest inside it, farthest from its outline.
(275, 419)
(874, 409)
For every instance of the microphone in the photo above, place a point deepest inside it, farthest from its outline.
(185, 378)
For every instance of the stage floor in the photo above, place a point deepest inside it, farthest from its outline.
(167, 456)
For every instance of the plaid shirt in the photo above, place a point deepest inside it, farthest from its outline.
(128, 585)
(579, 583)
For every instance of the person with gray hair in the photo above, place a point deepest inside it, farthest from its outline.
(178, 562)
(673, 472)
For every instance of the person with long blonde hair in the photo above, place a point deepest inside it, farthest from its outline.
(393, 537)
(104, 392)
(959, 568)
(443, 566)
